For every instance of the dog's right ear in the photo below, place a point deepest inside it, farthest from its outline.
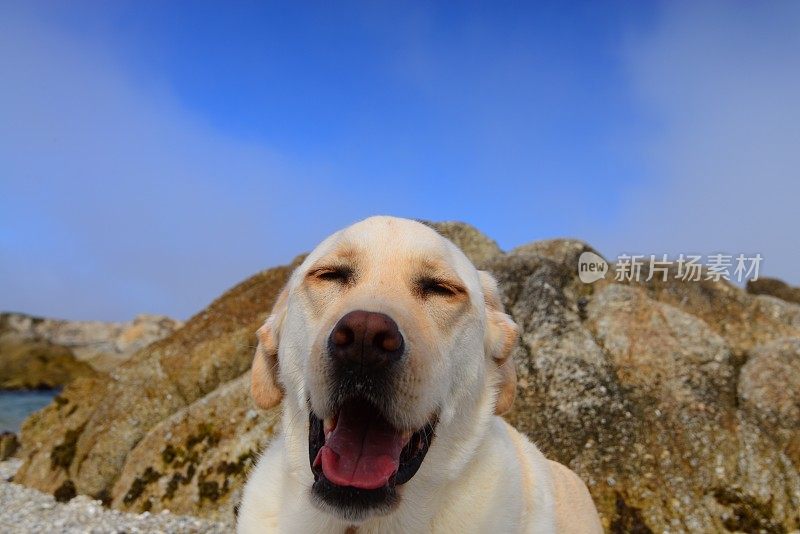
(267, 391)
(501, 337)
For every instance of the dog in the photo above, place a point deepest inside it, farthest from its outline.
(391, 354)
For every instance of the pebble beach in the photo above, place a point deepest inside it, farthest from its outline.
(24, 510)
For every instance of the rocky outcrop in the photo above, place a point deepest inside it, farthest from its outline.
(101, 344)
(26, 364)
(768, 390)
(85, 436)
(638, 388)
(199, 457)
(561, 251)
(675, 401)
(469, 239)
(774, 287)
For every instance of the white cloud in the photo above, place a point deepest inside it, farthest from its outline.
(115, 200)
(721, 83)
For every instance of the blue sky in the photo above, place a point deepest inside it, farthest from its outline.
(154, 154)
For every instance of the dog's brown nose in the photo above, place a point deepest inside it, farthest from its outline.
(370, 340)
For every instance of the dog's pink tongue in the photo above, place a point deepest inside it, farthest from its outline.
(363, 451)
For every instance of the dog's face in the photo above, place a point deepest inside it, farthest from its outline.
(384, 338)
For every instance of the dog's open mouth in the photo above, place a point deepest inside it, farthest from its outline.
(360, 454)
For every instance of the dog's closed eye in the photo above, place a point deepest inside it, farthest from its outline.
(428, 287)
(340, 273)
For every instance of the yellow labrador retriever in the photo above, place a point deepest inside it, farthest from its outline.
(390, 352)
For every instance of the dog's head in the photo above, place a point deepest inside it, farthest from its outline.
(384, 339)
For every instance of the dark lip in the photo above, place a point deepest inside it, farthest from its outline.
(411, 456)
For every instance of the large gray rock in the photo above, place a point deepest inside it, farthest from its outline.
(637, 387)
(196, 461)
(769, 391)
(84, 437)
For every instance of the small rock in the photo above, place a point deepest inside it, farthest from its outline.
(8, 445)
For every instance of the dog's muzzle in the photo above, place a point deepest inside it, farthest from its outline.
(358, 457)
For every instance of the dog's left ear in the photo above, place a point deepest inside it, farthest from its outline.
(501, 336)
(265, 388)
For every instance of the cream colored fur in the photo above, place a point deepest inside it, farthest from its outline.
(480, 474)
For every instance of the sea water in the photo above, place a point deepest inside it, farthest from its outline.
(15, 406)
